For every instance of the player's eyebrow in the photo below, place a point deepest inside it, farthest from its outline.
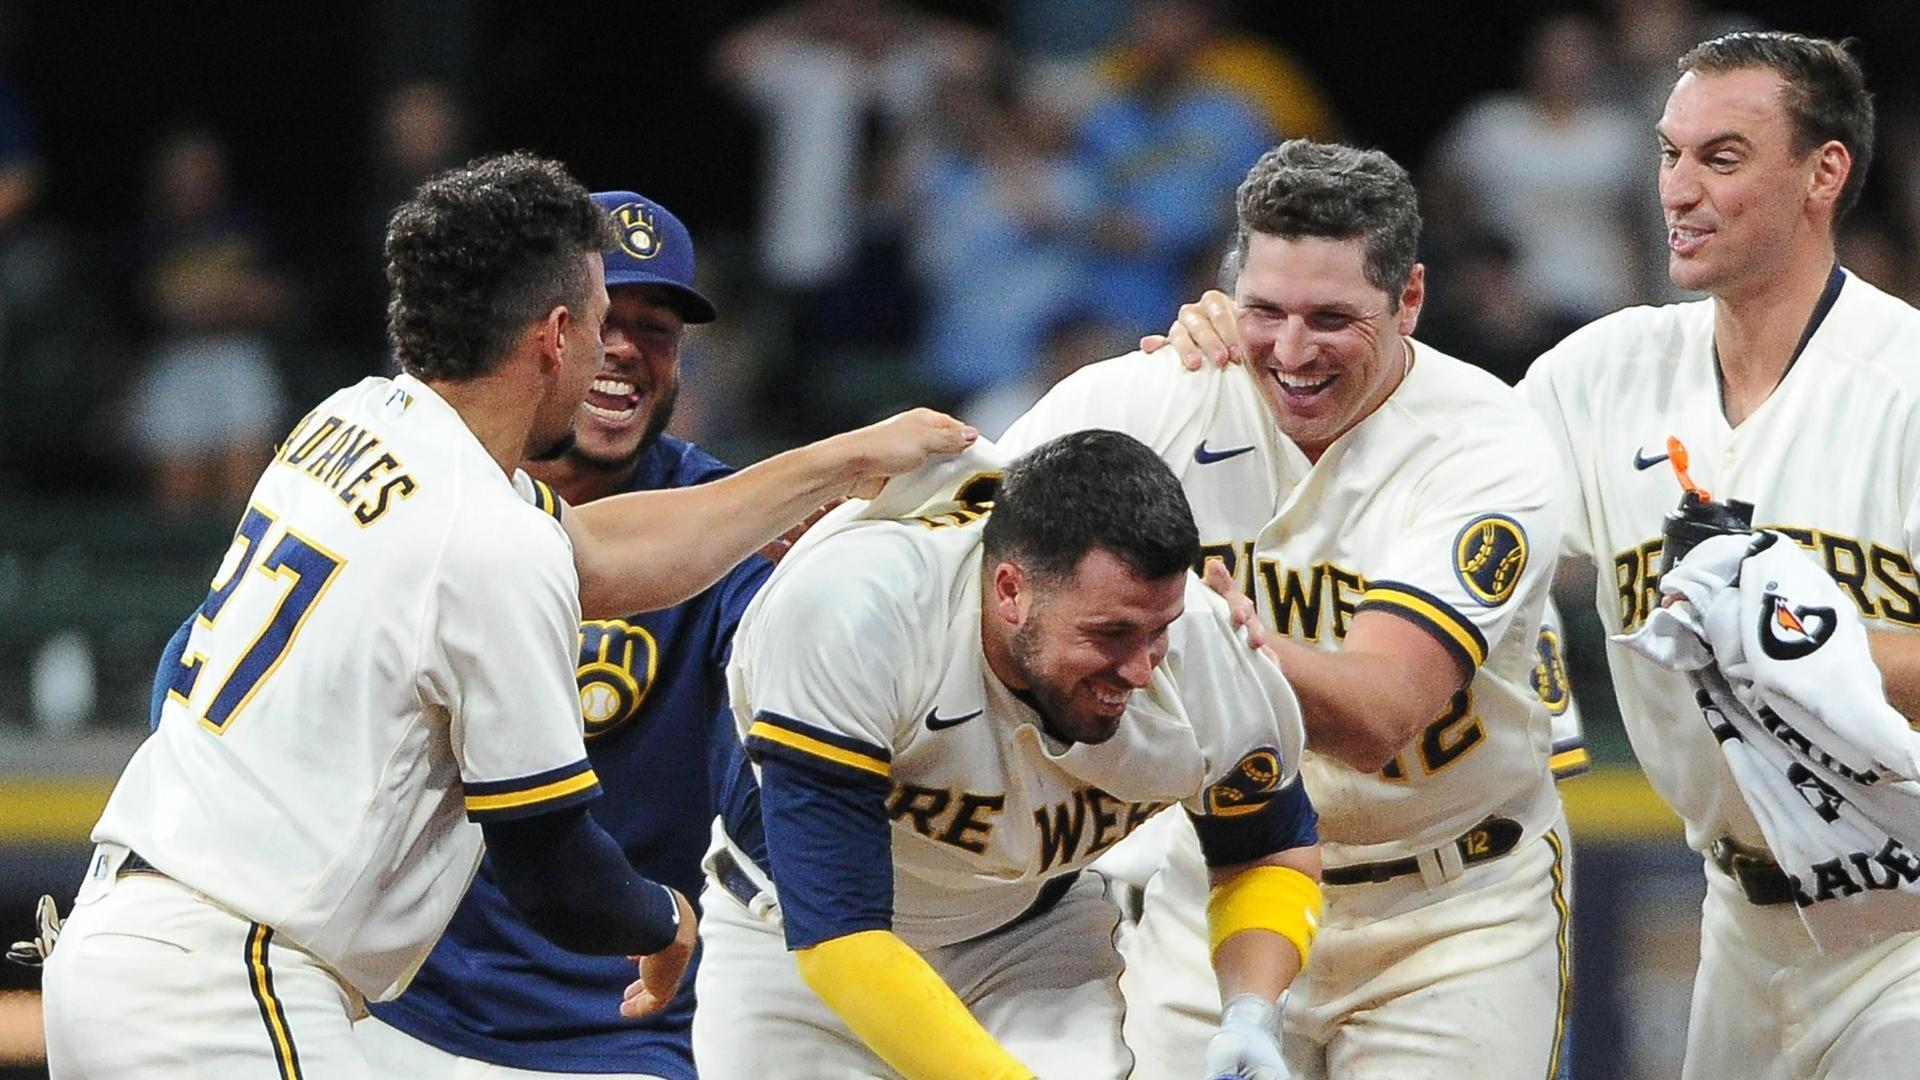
(1711, 142)
(1343, 308)
(1109, 623)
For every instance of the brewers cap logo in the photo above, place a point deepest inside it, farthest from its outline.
(1789, 631)
(617, 666)
(1250, 786)
(1488, 556)
(638, 236)
(1550, 673)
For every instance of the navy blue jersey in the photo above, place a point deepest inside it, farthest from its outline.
(653, 688)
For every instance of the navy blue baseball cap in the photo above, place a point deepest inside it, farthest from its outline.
(653, 249)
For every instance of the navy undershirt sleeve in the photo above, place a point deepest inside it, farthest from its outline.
(163, 675)
(1288, 820)
(573, 884)
(830, 850)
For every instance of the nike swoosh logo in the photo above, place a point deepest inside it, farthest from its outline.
(936, 722)
(1643, 462)
(1207, 457)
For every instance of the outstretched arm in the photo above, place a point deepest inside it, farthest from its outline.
(1364, 703)
(646, 550)
(1263, 912)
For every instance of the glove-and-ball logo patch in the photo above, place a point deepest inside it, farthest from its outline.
(1251, 785)
(617, 664)
(1549, 678)
(1488, 556)
(639, 237)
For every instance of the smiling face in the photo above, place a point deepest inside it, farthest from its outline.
(554, 423)
(1735, 194)
(1325, 344)
(1082, 644)
(632, 395)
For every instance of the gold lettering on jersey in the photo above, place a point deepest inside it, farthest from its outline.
(1065, 837)
(1846, 563)
(1453, 736)
(1636, 579)
(330, 451)
(1238, 557)
(926, 809)
(1306, 606)
(1879, 580)
(1347, 588)
(1288, 602)
(296, 450)
(1894, 571)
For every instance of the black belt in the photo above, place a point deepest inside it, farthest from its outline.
(1484, 842)
(1050, 894)
(136, 864)
(1758, 876)
(726, 871)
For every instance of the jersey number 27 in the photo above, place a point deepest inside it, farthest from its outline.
(300, 568)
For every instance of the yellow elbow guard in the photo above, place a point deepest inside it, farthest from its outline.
(1276, 898)
(902, 1010)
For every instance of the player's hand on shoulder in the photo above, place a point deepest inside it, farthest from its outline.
(660, 972)
(1245, 615)
(1247, 1046)
(1206, 331)
(901, 444)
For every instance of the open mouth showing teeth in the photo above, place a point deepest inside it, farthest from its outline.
(1684, 240)
(613, 399)
(1302, 385)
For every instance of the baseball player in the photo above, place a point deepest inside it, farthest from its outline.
(951, 713)
(384, 659)
(652, 687)
(1764, 146)
(1794, 388)
(1388, 509)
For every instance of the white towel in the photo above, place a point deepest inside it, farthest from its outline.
(1789, 688)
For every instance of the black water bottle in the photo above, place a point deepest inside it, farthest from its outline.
(1695, 520)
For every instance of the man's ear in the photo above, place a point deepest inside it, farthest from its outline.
(551, 335)
(1832, 164)
(1011, 594)
(1412, 298)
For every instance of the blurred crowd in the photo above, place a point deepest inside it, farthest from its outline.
(950, 212)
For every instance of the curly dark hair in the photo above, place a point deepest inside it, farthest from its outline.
(1826, 94)
(480, 251)
(1330, 191)
(1086, 490)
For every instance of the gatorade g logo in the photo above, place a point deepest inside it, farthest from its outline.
(1488, 556)
(1789, 631)
(617, 665)
(638, 237)
(1248, 787)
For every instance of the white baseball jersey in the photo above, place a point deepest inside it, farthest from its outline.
(1832, 459)
(863, 650)
(386, 652)
(1434, 508)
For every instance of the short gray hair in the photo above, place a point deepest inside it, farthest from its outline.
(1308, 189)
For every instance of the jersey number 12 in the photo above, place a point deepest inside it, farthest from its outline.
(301, 568)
